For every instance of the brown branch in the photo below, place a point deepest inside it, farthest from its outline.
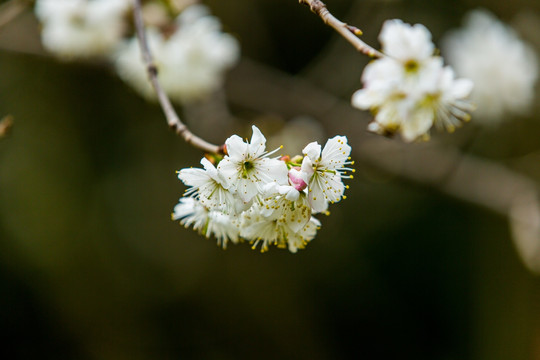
(10, 10)
(6, 125)
(350, 33)
(172, 117)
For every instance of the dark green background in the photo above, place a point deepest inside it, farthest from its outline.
(92, 267)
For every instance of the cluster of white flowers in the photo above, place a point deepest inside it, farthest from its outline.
(82, 28)
(503, 68)
(190, 51)
(409, 89)
(268, 201)
(191, 61)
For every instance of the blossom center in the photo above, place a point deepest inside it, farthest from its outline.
(77, 20)
(411, 66)
(246, 167)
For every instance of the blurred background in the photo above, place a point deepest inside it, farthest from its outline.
(92, 267)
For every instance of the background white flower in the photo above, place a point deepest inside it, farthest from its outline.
(191, 61)
(409, 90)
(81, 28)
(247, 168)
(406, 43)
(503, 68)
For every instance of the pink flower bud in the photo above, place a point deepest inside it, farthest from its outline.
(296, 179)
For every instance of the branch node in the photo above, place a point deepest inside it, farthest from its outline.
(152, 69)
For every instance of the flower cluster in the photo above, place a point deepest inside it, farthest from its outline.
(409, 90)
(265, 200)
(82, 28)
(191, 59)
(503, 67)
(189, 48)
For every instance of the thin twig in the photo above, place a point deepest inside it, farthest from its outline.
(6, 125)
(350, 33)
(11, 9)
(172, 117)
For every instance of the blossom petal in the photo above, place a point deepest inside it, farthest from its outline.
(257, 145)
(193, 177)
(313, 151)
(236, 148)
(335, 152)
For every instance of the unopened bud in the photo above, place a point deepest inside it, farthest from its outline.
(296, 179)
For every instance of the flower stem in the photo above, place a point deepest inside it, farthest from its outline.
(173, 120)
(350, 33)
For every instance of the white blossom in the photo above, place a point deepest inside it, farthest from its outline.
(326, 168)
(409, 89)
(209, 187)
(191, 213)
(448, 100)
(191, 61)
(265, 229)
(257, 225)
(247, 167)
(300, 239)
(294, 211)
(81, 28)
(265, 201)
(406, 43)
(503, 67)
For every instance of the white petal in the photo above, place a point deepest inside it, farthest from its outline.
(307, 168)
(257, 145)
(318, 202)
(228, 171)
(418, 124)
(404, 42)
(236, 148)
(335, 152)
(461, 88)
(209, 167)
(364, 99)
(290, 192)
(324, 188)
(270, 189)
(313, 151)
(268, 170)
(246, 189)
(193, 177)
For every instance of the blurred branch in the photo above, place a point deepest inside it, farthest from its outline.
(349, 32)
(525, 227)
(172, 117)
(11, 9)
(442, 167)
(6, 125)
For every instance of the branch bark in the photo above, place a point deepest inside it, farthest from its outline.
(6, 125)
(349, 32)
(173, 120)
(11, 9)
